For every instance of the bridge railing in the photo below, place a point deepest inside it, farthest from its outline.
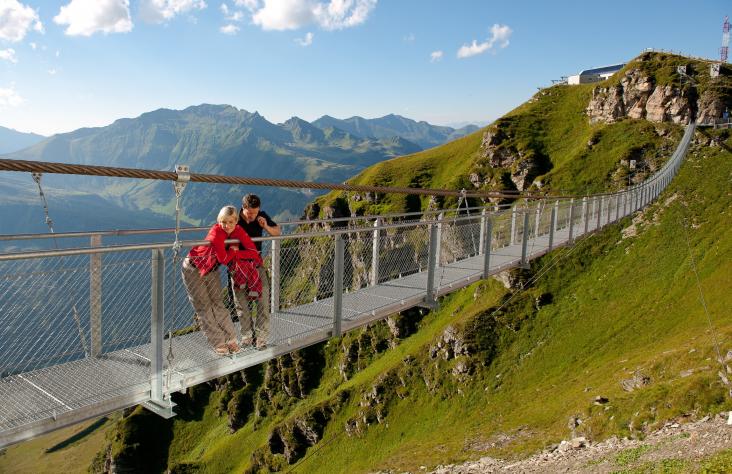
(114, 306)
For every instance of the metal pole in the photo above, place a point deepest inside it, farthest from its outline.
(513, 226)
(438, 253)
(585, 214)
(598, 201)
(617, 207)
(432, 264)
(481, 237)
(552, 226)
(571, 221)
(625, 203)
(275, 278)
(157, 295)
(375, 253)
(488, 223)
(539, 206)
(525, 241)
(95, 297)
(338, 285)
(555, 223)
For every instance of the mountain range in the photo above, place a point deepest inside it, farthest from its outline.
(221, 139)
(13, 140)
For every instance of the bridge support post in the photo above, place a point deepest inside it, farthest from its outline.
(338, 263)
(157, 403)
(375, 253)
(599, 201)
(625, 203)
(275, 278)
(438, 251)
(553, 225)
(555, 222)
(571, 221)
(481, 235)
(525, 242)
(431, 299)
(617, 207)
(585, 214)
(513, 226)
(487, 229)
(95, 297)
(537, 221)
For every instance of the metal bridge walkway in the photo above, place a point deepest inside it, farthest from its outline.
(39, 395)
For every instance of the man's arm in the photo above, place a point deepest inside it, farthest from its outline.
(269, 225)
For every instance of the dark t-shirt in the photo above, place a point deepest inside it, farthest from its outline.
(253, 229)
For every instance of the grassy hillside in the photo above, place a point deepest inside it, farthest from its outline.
(552, 131)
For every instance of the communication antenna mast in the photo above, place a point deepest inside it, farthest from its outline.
(725, 40)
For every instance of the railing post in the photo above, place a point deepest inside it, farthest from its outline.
(275, 278)
(599, 201)
(95, 297)
(513, 226)
(571, 221)
(537, 223)
(481, 235)
(432, 264)
(585, 214)
(338, 285)
(625, 203)
(553, 225)
(157, 318)
(486, 242)
(525, 241)
(375, 253)
(438, 253)
(617, 207)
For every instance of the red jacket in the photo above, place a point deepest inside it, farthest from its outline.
(246, 277)
(207, 258)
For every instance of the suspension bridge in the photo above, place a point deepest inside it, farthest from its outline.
(87, 331)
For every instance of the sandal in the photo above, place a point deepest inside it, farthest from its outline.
(222, 349)
(233, 347)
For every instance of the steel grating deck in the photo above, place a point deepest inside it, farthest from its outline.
(72, 392)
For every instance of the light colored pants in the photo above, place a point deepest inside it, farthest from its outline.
(244, 310)
(206, 296)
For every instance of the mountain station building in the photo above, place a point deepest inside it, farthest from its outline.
(594, 75)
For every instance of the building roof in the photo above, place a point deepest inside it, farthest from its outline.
(602, 70)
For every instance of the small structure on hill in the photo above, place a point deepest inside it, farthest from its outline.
(594, 75)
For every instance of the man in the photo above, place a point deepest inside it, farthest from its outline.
(255, 222)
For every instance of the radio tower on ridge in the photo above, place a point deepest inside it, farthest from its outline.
(725, 41)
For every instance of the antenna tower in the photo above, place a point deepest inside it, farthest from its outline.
(725, 40)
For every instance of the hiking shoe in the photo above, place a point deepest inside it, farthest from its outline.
(247, 341)
(261, 344)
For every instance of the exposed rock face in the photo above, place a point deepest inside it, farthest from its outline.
(637, 97)
(712, 106)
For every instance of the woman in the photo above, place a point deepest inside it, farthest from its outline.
(204, 285)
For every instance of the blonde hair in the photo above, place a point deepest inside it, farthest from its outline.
(227, 211)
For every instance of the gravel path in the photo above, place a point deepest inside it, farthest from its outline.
(689, 442)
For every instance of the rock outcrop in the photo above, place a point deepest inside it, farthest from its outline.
(636, 96)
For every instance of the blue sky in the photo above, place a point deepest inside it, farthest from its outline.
(70, 64)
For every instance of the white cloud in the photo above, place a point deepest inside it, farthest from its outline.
(306, 41)
(229, 29)
(33, 46)
(499, 38)
(52, 71)
(159, 11)
(294, 14)
(436, 56)
(8, 55)
(224, 8)
(58, 53)
(250, 5)
(9, 98)
(86, 17)
(16, 19)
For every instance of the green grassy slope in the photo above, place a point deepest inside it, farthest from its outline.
(551, 128)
